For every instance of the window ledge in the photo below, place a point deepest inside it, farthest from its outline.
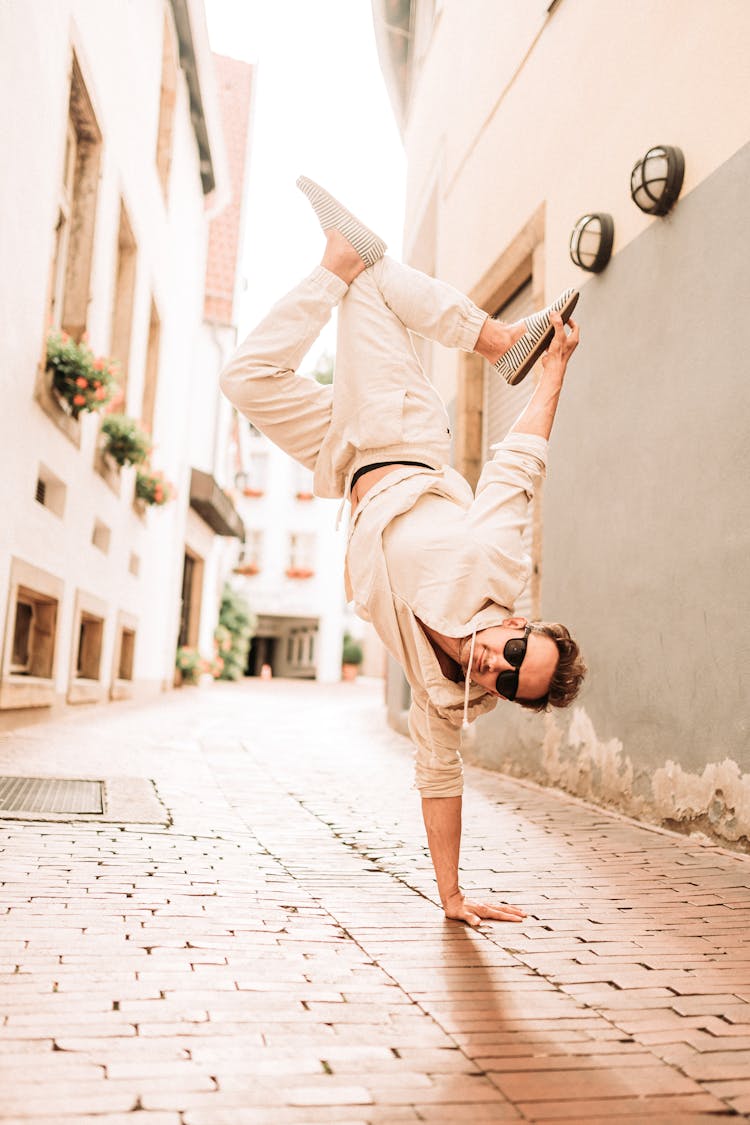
(52, 407)
(84, 691)
(26, 691)
(121, 689)
(108, 469)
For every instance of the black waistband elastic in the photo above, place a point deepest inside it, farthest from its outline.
(382, 465)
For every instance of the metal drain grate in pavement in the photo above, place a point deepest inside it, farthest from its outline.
(50, 795)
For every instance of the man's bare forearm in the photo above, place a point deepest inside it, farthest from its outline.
(539, 415)
(442, 819)
(541, 408)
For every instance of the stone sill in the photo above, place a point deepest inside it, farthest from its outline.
(26, 691)
(108, 470)
(50, 404)
(84, 691)
(121, 689)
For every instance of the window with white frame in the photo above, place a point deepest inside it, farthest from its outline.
(76, 213)
(301, 554)
(251, 553)
(303, 483)
(62, 226)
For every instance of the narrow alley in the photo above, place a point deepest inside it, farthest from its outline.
(249, 934)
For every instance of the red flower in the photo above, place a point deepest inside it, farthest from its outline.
(99, 364)
(100, 393)
(81, 381)
(79, 400)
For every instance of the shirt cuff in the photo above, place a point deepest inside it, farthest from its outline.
(518, 442)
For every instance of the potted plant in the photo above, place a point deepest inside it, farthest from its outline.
(351, 658)
(124, 441)
(152, 488)
(189, 664)
(81, 381)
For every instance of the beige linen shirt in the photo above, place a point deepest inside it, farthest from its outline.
(423, 547)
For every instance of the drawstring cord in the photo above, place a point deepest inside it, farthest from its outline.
(465, 723)
(346, 499)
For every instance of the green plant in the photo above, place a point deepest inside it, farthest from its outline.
(189, 663)
(351, 652)
(125, 441)
(233, 634)
(151, 487)
(80, 379)
(323, 370)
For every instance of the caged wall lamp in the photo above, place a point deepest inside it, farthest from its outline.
(656, 179)
(591, 241)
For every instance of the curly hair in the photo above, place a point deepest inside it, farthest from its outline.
(569, 673)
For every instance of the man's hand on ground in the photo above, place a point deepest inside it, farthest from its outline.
(474, 913)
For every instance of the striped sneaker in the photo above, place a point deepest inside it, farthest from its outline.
(333, 216)
(516, 363)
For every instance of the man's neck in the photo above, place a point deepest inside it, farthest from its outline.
(447, 650)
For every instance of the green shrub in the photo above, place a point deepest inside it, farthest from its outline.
(233, 634)
(351, 652)
(189, 663)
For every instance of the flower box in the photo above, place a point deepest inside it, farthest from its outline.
(124, 441)
(152, 488)
(80, 381)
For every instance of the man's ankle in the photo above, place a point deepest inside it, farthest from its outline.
(495, 339)
(341, 258)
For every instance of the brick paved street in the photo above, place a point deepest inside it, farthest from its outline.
(273, 954)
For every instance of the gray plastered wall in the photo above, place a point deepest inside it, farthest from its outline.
(645, 548)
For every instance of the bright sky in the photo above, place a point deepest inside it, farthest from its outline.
(321, 109)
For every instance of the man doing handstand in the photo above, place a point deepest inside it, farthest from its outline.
(436, 568)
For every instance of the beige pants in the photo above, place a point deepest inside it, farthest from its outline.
(381, 406)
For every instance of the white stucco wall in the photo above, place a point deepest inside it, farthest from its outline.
(513, 108)
(120, 58)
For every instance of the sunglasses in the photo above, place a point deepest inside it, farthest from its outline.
(514, 652)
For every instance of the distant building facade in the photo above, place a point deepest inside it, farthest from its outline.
(291, 565)
(519, 118)
(214, 530)
(115, 133)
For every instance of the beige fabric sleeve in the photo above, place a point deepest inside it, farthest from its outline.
(438, 766)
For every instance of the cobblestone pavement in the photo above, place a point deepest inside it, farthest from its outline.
(274, 953)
